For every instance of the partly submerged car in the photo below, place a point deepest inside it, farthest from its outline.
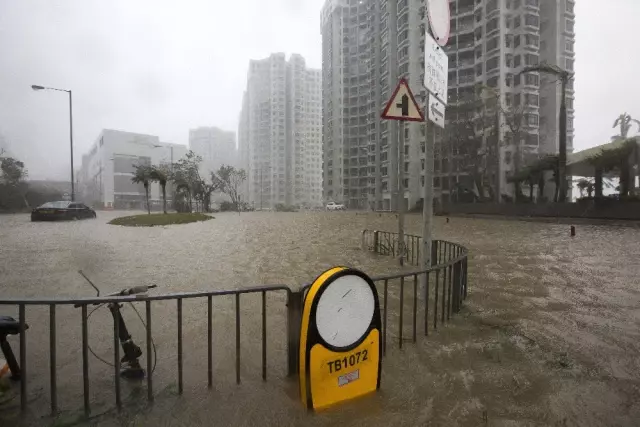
(53, 211)
(333, 206)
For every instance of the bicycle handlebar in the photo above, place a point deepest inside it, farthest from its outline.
(125, 292)
(131, 291)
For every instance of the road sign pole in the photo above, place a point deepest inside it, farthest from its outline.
(427, 202)
(402, 107)
(400, 197)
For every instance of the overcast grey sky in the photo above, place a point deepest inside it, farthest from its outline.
(162, 67)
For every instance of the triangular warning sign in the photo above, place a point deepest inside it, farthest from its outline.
(402, 105)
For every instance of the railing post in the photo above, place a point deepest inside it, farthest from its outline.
(456, 286)
(294, 320)
(434, 252)
(375, 241)
(465, 276)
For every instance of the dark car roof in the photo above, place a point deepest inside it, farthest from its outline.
(63, 204)
(60, 204)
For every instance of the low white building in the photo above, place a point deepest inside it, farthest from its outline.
(105, 176)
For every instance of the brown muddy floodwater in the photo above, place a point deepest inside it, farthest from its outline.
(549, 335)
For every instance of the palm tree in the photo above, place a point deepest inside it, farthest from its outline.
(624, 121)
(142, 175)
(161, 176)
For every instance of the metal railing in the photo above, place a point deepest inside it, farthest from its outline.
(435, 294)
(444, 284)
(387, 243)
(54, 305)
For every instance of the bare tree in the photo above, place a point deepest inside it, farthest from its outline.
(514, 120)
(472, 140)
(229, 180)
(13, 185)
(187, 178)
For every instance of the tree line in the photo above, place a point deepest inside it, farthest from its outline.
(477, 129)
(484, 122)
(189, 188)
(15, 192)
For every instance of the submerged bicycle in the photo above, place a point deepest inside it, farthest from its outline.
(129, 363)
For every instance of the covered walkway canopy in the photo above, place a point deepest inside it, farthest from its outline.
(585, 162)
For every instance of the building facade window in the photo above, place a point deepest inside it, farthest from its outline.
(531, 40)
(569, 25)
(492, 25)
(492, 44)
(531, 20)
(531, 79)
(568, 46)
(569, 64)
(530, 59)
(492, 64)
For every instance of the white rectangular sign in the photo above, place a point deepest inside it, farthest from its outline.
(436, 64)
(436, 111)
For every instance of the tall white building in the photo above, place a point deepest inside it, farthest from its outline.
(217, 147)
(279, 133)
(368, 45)
(106, 171)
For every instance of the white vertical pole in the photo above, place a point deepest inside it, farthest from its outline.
(427, 204)
(400, 197)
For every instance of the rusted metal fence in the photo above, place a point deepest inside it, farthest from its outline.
(444, 287)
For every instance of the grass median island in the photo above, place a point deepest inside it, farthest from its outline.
(147, 220)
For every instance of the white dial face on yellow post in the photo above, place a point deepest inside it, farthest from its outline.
(345, 311)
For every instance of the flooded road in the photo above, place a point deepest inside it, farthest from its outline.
(548, 336)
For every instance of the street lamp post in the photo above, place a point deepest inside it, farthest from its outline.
(37, 87)
(171, 149)
(564, 77)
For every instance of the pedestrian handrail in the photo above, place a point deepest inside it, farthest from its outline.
(387, 243)
(444, 282)
(435, 293)
(84, 303)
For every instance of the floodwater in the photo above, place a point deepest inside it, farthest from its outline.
(549, 334)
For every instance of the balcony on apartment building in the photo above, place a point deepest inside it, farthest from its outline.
(462, 25)
(464, 60)
(533, 5)
(462, 7)
(463, 42)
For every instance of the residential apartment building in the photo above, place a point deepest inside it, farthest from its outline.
(279, 133)
(491, 42)
(368, 45)
(217, 147)
(105, 175)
